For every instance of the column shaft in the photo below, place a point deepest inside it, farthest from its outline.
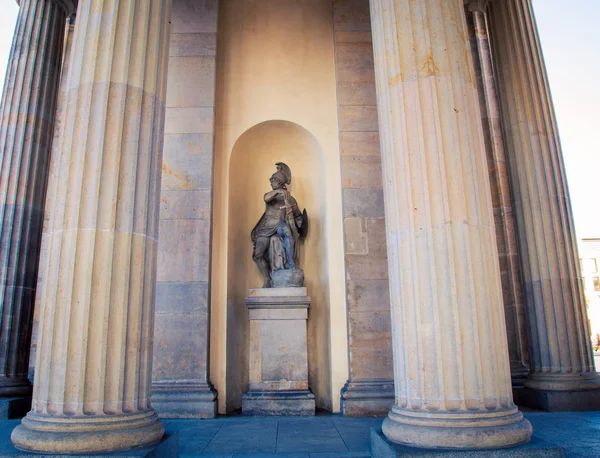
(506, 236)
(561, 355)
(93, 363)
(451, 368)
(27, 119)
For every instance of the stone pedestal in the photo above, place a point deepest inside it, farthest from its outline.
(383, 448)
(366, 398)
(278, 378)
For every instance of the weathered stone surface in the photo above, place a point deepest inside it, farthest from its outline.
(361, 172)
(278, 360)
(195, 16)
(367, 398)
(351, 15)
(373, 265)
(371, 356)
(179, 387)
(355, 232)
(184, 399)
(342, 37)
(361, 183)
(356, 93)
(183, 250)
(179, 347)
(187, 162)
(355, 64)
(178, 205)
(191, 81)
(188, 120)
(360, 144)
(278, 403)
(193, 44)
(182, 297)
(367, 295)
(288, 278)
(363, 202)
(361, 118)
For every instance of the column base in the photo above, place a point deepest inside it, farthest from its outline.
(557, 401)
(518, 374)
(457, 430)
(175, 400)
(168, 447)
(90, 434)
(15, 387)
(293, 402)
(369, 398)
(12, 408)
(578, 381)
(383, 448)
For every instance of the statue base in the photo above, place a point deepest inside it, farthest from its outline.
(278, 366)
(288, 278)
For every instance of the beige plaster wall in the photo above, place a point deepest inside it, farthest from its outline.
(276, 63)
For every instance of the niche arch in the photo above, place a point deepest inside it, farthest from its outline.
(251, 164)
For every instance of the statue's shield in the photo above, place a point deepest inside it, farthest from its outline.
(303, 230)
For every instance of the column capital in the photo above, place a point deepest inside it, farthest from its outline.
(477, 5)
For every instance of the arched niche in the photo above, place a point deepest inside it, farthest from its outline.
(252, 162)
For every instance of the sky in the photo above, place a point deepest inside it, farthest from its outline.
(570, 37)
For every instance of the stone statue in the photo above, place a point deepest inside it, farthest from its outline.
(277, 233)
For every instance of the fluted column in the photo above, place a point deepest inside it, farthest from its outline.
(26, 122)
(560, 347)
(451, 367)
(506, 233)
(93, 363)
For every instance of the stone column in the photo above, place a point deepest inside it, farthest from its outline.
(93, 363)
(26, 122)
(560, 347)
(451, 367)
(506, 232)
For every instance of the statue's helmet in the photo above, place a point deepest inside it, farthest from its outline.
(283, 173)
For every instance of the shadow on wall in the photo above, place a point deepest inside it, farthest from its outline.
(251, 165)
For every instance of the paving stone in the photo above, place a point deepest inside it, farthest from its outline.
(258, 435)
(316, 436)
(352, 431)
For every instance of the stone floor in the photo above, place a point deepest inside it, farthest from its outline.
(333, 435)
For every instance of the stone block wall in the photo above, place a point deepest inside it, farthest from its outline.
(369, 389)
(180, 386)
